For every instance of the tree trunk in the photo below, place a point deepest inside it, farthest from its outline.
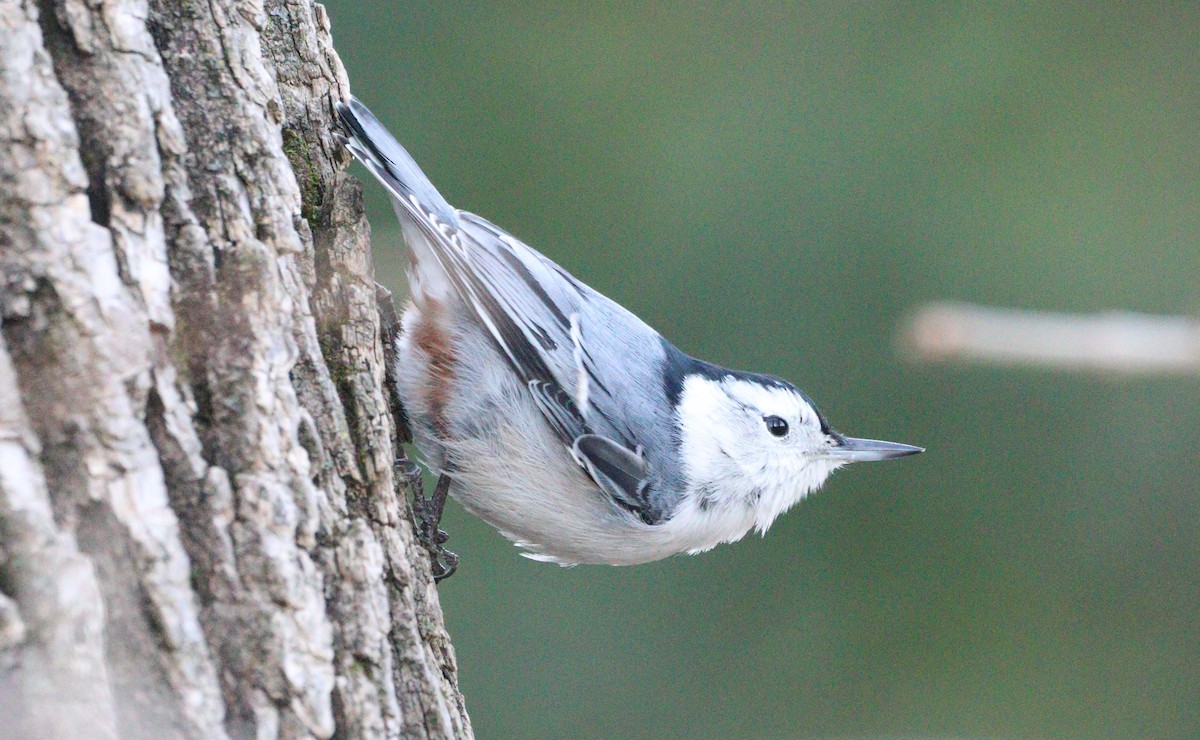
(200, 530)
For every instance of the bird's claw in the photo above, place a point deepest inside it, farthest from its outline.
(409, 471)
(442, 562)
(427, 512)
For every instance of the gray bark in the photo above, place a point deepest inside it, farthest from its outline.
(200, 530)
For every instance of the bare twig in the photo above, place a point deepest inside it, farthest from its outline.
(1119, 342)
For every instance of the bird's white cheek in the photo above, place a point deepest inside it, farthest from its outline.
(812, 469)
(706, 439)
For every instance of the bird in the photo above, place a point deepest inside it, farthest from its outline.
(564, 420)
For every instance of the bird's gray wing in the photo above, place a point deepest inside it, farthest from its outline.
(539, 317)
(534, 311)
(550, 328)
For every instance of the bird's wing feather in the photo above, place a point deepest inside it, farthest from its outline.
(620, 472)
(548, 306)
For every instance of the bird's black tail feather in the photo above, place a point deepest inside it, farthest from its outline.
(375, 147)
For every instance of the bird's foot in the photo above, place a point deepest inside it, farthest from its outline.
(428, 514)
(442, 562)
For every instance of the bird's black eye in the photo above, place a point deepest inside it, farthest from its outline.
(776, 425)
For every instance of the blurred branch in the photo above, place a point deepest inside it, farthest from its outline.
(1117, 342)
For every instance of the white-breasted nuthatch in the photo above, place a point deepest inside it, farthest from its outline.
(565, 421)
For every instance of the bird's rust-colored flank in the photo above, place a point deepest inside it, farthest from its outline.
(429, 337)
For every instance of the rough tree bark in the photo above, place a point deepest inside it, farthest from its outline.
(200, 530)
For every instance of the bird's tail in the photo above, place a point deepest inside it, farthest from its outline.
(375, 147)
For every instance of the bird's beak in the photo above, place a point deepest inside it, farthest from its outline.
(852, 449)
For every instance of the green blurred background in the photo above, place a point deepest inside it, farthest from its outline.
(773, 186)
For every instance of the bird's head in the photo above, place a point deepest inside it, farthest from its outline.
(757, 441)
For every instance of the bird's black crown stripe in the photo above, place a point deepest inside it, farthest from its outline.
(679, 366)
